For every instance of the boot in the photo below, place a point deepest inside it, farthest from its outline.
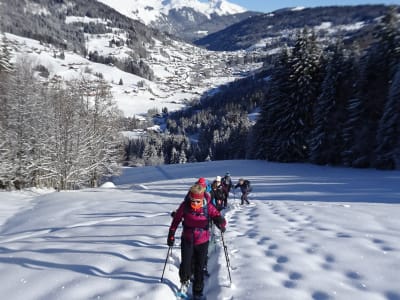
(183, 291)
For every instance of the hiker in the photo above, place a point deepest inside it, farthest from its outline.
(227, 184)
(217, 194)
(204, 183)
(245, 188)
(194, 215)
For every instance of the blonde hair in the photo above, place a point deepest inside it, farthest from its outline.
(197, 192)
(197, 189)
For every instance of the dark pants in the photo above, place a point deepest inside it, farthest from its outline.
(244, 198)
(197, 253)
(226, 197)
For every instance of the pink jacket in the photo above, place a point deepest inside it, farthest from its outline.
(196, 223)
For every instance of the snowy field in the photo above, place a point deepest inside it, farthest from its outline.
(311, 233)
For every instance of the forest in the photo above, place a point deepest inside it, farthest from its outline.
(58, 134)
(324, 103)
(332, 104)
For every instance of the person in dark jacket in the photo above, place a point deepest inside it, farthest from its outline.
(227, 184)
(245, 189)
(194, 215)
(217, 194)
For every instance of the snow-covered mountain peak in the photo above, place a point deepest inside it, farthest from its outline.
(151, 10)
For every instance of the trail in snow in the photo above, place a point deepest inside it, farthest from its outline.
(311, 233)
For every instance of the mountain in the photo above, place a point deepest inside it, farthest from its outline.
(187, 19)
(272, 30)
(46, 21)
(146, 68)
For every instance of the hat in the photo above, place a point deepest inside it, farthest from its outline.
(197, 192)
(218, 178)
(202, 182)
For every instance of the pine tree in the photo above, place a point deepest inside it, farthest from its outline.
(182, 157)
(290, 109)
(388, 134)
(326, 140)
(376, 72)
(5, 56)
(268, 126)
(304, 82)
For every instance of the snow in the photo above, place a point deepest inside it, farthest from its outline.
(183, 72)
(108, 185)
(311, 232)
(151, 10)
(87, 20)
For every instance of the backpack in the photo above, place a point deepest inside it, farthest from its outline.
(227, 180)
(208, 187)
(249, 187)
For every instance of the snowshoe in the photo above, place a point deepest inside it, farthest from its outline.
(182, 293)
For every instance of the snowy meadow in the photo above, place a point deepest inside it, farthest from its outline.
(311, 232)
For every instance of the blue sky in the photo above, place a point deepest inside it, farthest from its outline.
(271, 5)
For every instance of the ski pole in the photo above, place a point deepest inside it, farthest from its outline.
(228, 264)
(165, 264)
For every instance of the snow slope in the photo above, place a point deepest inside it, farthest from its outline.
(152, 10)
(311, 232)
(183, 72)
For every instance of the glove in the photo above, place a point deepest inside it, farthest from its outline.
(173, 214)
(220, 223)
(171, 238)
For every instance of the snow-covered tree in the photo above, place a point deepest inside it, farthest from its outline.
(20, 106)
(182, 159)
(288, 111)
(304, 82)
(326, 139)
(5, 56)
(273, 110)
(59, 134)
(388, 149)
(373, 86)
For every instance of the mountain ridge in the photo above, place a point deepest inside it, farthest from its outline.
(186, 19)
(274, 28)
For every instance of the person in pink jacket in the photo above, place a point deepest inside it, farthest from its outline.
(195, 214)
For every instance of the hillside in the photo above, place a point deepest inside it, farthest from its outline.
(275, 29)
(188, 19)
(147, 69)
(311, 232)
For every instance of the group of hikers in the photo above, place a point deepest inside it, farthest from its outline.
(201, 209)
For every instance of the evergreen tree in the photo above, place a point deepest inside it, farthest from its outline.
(304, 82)
(388, 134)
(268, 126)
(376, 72)
(290, 111)
(5, 56)
(326, 140)
(182, 157)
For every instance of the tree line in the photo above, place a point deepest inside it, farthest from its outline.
(330, 105)
(335, 105)
(55, 134)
